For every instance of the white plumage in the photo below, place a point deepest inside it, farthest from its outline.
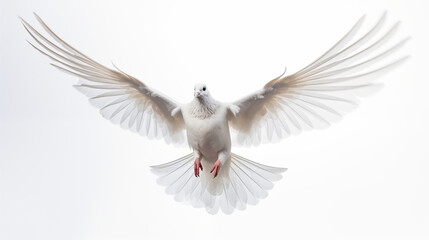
(310, 98)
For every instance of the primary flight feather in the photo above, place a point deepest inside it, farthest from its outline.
(212, 176)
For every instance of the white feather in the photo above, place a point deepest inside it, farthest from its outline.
(317, 95)
(313, 97)
(120, 97)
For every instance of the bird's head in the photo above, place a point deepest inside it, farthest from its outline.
(201, 91)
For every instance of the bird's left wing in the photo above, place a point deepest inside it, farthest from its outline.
(120, 97)
(316, 95)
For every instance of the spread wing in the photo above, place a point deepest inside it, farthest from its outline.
(120, 97)
(318, 94)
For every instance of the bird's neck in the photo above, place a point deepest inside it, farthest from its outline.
(203, 107)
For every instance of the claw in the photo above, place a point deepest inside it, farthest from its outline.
(216, 168)
(197, 167)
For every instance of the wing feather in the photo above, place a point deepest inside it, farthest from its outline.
(120, 97)
(318, 94)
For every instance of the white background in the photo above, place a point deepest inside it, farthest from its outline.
(66, 173)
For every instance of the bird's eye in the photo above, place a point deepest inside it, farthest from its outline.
(204, 88)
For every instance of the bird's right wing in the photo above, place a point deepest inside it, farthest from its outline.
(120, 97)
(316, 95)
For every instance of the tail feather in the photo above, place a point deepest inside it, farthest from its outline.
(240, 182)
(172, 166)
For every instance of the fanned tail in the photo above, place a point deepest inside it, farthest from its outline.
(240, 182)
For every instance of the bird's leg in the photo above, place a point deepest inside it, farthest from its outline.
(216, 168)
(197, 164)
(222, 157)
(197, 167)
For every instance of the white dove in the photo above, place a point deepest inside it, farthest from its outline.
(312, 97)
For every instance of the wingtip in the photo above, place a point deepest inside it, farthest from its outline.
(32, 44)
(39, 19)
(406, 39)
(361, 19)
(384, 14)
(154, 167)
(397, 23)
(406, 57)
(25, 23)
(57, 67)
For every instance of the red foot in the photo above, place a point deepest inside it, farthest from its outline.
(216, 168)
(197, 167)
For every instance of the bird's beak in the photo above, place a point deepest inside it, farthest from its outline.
(197, 94)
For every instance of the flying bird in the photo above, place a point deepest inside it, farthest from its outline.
(212, 176)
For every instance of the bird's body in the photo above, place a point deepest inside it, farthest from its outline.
(207, 130)
(209, 136)
(286, 105)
